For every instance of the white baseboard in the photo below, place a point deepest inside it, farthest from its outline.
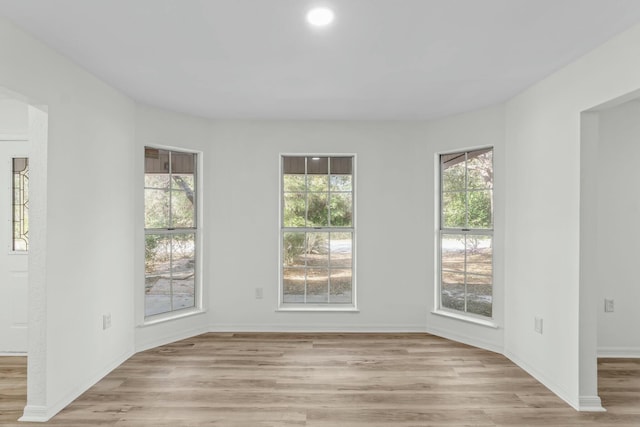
(35, 413)
(619, 352)
(591, 404)
(13, 353)
(316, 328)
(545, 381)
(465, 339)
(170, 338)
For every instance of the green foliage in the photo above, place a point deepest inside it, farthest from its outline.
(468, 193)
(298, 244)
(341, 210)
(294, 210)
(154, 248)
(317, 206)
(293, 247)
(467, 202)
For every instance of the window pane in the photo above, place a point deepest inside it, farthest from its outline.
(341, 250)
(341, 285)
(182, 209)
(156, 161)
(293, 249)
(317, 249)
(318, 183)
(157, 253)
(453, 291)
(341, 165)
(453, 173)
(480, 209)
(480, 169)
(293, 183)
(293, 165)
(183, 163)
(293, 285)
(479, 255)
(318, 165)
(479, 295)
(156, 180)
(317, 193)
(170, 204)
(341, 183)
(183, 270)
(294, 210)
(454, 210)
(341, 209)
(318, 210)
(453, 252)
(183, 182)
(156, 208)
(317, 285)
(466, 259)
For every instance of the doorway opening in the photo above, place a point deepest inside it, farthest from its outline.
(609, 209)
(23, 177)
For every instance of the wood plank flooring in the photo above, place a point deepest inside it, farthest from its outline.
(321, 380)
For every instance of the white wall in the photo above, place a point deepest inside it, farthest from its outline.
(395, 220)
(618, 211)
(93, 244)
(87, 225)
(14, 120)
(395, 191)
(542, 242)
(475, 129)
(92, 222)
(156, 127)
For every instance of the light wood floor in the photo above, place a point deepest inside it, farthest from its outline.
(325, 380)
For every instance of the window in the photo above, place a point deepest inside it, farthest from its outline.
(317, 231)
(466, 232)
(171, 231)
(20, 204)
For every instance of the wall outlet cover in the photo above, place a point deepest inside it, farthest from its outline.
(608, 306)
(538, 325)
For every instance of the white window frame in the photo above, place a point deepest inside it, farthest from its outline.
(440, 230)
(9, 173)
(13, 250)
(310, 307)
(199, 306)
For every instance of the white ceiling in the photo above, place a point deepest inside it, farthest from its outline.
(381, 59)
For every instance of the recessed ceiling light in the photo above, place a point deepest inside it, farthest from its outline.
(320, 17)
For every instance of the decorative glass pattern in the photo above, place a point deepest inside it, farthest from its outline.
(20, 204)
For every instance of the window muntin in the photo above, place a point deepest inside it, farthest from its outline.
(170, 231)
(466, 232)
(20, 204)
(317, 230)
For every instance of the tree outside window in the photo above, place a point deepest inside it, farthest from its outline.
(466, 232)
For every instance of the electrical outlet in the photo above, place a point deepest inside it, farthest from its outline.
(538, 325)
(259, 293)
(608, 305)
(106, 321)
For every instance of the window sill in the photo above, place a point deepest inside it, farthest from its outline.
(318, 309)
(469, 319)
(161, 318)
